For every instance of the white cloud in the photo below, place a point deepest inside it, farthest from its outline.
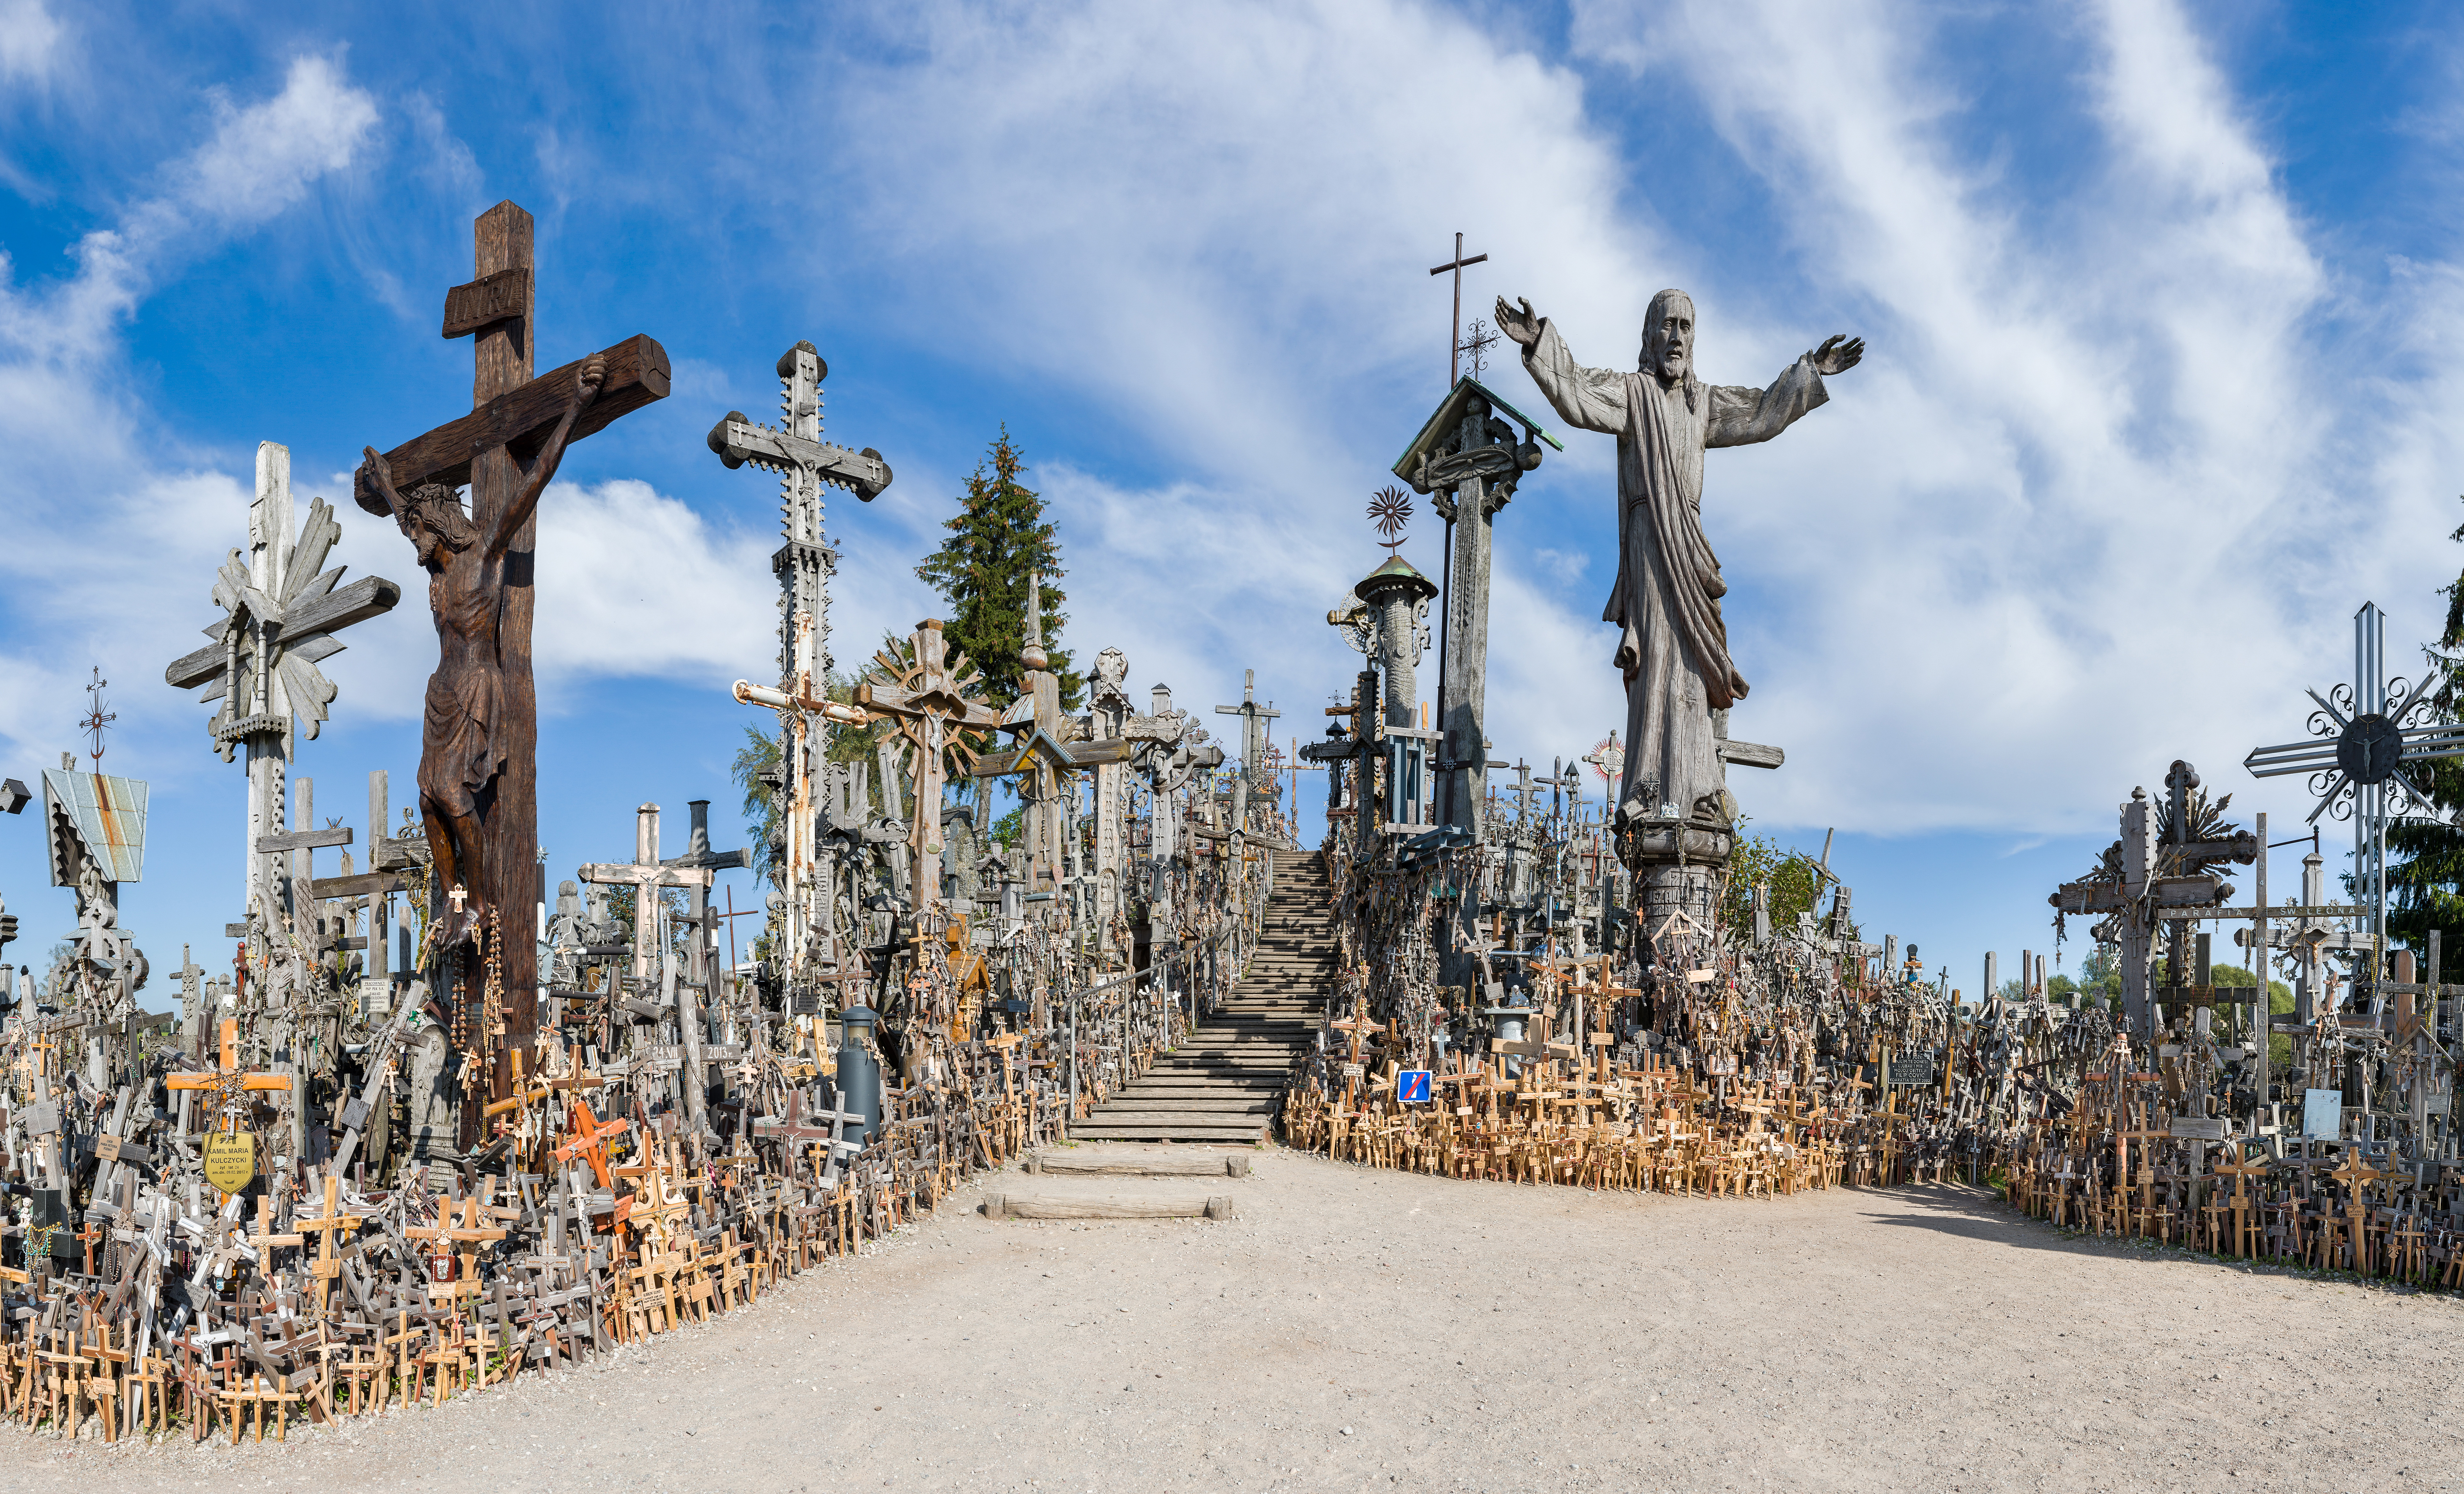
(1213, 224)
(2092, 503)
(632, 583)
(101, 509)
(29, 41)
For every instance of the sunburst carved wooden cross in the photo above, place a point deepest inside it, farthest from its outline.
(930, 696)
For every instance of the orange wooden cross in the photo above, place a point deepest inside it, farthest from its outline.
(229, 1082)
(587, 1141)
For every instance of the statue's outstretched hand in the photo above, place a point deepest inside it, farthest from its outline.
(1522, 326)
(588, 380)
(1837, 354)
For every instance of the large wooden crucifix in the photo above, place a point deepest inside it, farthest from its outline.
(478, 775)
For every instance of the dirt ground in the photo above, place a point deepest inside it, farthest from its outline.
(1356, 1329)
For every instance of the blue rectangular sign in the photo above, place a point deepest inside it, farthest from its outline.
(1411, 1087)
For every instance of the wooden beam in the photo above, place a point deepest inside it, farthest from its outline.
(338, 608)
(519, 420)
(999, 1207)
(301, 840)
(365, 884)
(1219, 1165)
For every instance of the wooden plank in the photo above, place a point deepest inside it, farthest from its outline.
(488, 299)
(301, 840)
(520, 419)
(1219, 1165)
(365, 884)
(999, 1206)
(337, 609)
(1751, 754)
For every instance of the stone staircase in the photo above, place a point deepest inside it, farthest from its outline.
(1224, 1083)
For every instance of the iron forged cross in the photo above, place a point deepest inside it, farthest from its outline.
(1454, 328)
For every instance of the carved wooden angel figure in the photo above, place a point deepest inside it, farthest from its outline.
(1672, 645)
(462, 749)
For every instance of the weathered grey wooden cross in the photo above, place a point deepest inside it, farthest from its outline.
(1254, 719)
(281, 609)
(804, 462)
(929, 698)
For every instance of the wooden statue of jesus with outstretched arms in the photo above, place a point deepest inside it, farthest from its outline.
(1673, 646)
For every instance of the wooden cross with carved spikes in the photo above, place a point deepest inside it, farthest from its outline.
(481, 569)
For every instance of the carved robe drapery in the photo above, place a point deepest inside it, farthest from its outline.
(1673, 647)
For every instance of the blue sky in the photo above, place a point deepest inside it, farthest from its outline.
(2162, 303)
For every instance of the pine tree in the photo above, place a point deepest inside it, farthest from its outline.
(999, 536)
(2426, 888)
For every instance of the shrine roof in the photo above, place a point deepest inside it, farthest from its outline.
(1449, 413)
(1396, 569)
(108, 815)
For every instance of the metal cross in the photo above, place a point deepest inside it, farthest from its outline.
(97, 718)
(2358, 752)
(1454, 327)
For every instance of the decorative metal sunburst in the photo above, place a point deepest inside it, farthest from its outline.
(1390, 509)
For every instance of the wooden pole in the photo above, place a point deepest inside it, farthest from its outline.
(501, 358)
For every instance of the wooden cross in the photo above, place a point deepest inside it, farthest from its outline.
(327, 1265)
(928, 697)
(644, 874)
(589, 1139)
(265, 1239)
(478, 773)
(2354, 1174)
(655, 1209)
(229, 1082)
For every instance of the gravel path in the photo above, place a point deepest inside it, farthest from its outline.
(1357, 1330)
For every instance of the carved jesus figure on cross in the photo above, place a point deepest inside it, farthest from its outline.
(463, 748)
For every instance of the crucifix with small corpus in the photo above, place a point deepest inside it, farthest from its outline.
(478, 768)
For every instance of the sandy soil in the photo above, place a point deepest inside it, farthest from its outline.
(1361, 1329)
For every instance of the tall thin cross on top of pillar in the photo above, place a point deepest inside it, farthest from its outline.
(1454, 328)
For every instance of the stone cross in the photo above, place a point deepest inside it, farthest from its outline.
(478, 775)
(281, 609)
(803, 563)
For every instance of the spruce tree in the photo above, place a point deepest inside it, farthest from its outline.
(2425, 886)
(998, 537)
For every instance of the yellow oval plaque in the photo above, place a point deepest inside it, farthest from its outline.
(230, 1159)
